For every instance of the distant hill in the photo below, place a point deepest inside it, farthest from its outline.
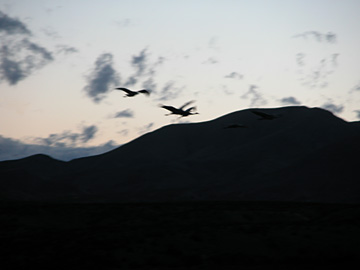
(298, 154)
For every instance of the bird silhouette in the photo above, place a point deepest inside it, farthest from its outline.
(264, 116)
(180, 111)
(130, 93)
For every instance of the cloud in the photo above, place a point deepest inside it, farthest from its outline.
(139, 62)
(357, 114)
(37, 49)
(211, 61)
(123, 23)
(68, 138)
(144, 70)
(317, 73)
(124, 132)
(234, 75)
(149, 84)
(290, 100)
(169, 91)
(19, 57)
(102, 78)
(213, 43)
(332, 107)
(51, 33)
(145, 128)
(356, 88)
(15, 149)
(300, 59)
(328, 37)
(64, 49)
(334, 58)
(88, 133)
(124, 114)
(255, 96)
(226, 90)
(12, 26)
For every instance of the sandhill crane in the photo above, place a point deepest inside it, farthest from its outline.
(180, 111)
(264, 116)
(130, 93)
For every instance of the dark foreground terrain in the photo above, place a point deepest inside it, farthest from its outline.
(189, 235)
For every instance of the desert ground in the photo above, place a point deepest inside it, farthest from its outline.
(179, 235)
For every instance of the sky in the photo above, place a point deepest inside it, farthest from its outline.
(60, 62)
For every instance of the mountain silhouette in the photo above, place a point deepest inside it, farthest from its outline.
(304, 154)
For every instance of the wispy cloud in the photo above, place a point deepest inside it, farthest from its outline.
(65, 49)
(124, 114)
(234, 75)
(355, 88)
(88, 133)
(145, 70)
(213, 43)
(226, 90)
(315, 70)
(124, 132)
(211, 61)
(328, 37)
(316, 73)
(38, 50)
(123, 23)
(19, 56)
(102, 78)
(357, 113)
(332, 107)
(300, 59)
(150, 84)
(256, 98)
(170, 91)
(145, 128)
(68, 138)
(139, 63)
(290, 100)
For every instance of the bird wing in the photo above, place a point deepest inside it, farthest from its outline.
(169, 108)
(190, 109)
(186, 104)
(125, 90)
(144, 91)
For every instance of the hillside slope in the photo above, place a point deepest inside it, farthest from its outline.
(239, 156)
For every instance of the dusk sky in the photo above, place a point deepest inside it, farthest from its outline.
(61, 60)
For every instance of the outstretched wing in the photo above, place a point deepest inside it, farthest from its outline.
(144, 91)
(169, 108)
(128, 91)
(191, 109)
(186, 104)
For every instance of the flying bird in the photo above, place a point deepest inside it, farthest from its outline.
(181, 111)
(264, 116)
(130, 93)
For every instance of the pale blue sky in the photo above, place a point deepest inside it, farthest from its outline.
(60, 61)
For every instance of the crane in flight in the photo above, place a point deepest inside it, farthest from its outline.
(130, 93)
(181, 111)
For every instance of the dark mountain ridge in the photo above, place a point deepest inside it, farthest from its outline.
(303, 154)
